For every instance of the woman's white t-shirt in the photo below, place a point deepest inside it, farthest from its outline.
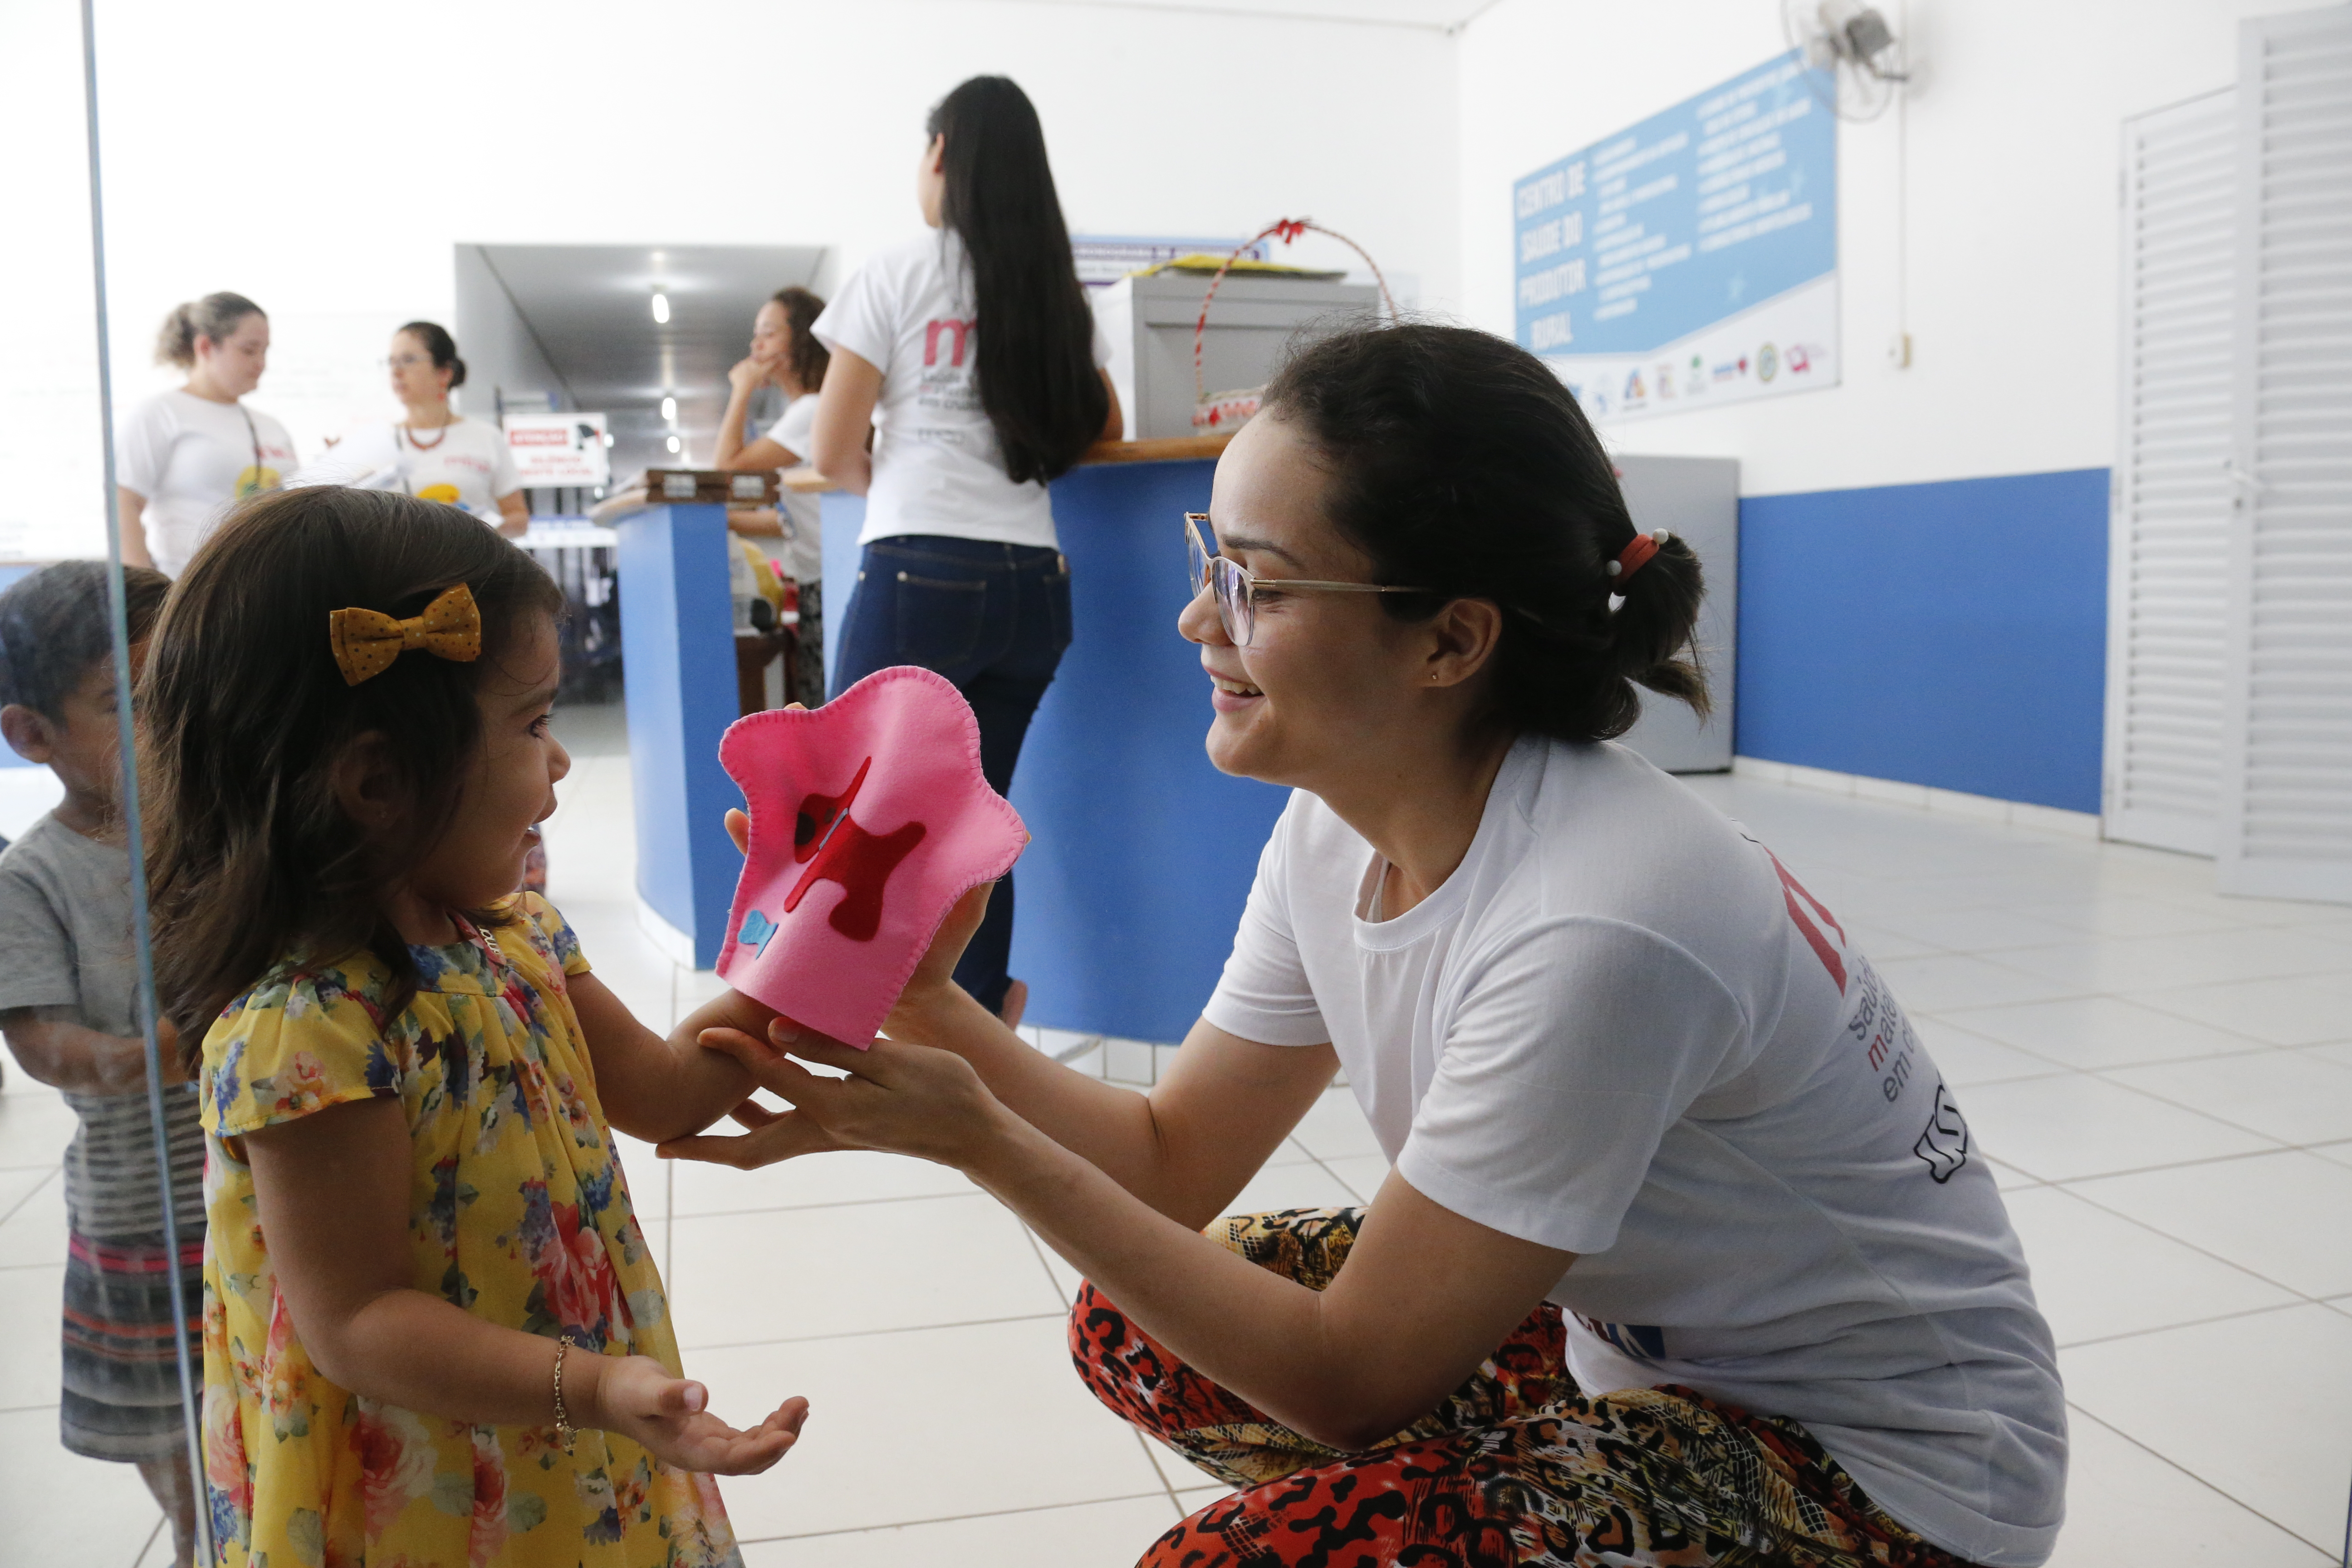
(468, 465)
(192, 459)
(937, 464)
(1620, 1028)
(795, 431)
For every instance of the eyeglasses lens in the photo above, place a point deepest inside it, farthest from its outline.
(1234, 607)
(1224, 579)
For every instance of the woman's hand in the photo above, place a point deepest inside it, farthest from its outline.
(746, 375)
(898, 1098)
(670, 1417)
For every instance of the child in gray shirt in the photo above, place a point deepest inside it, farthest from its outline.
(69, 1011)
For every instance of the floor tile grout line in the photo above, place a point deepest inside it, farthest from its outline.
(56, 1172)
(2168, 1099)
(149, 1545)
(2175, 1464)
(2276, 1148)
(830, 1204)
(2304, 1297)
(2295, 1306)
(1038, 1249)
(952, 1517)
(873, 1333)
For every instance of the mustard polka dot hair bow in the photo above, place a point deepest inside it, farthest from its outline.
(367, 641)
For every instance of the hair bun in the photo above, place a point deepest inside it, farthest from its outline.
(456, 372)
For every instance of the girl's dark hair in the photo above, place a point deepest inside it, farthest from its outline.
(53, 629)
(1036, 354)
(1458, 462)
(441, 346)
(215, 316)
(808, 358)
(252, 862)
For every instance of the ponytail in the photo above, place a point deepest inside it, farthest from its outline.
(215, 316)
(1458, 460)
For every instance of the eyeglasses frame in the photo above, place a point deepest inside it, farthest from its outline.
(1197, 535)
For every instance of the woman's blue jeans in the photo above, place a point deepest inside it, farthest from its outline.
(993, 619)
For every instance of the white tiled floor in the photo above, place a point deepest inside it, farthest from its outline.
(2162, 1078)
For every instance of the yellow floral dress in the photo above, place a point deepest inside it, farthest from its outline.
(520, 1217)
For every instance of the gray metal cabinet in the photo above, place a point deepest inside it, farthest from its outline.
(1149, 324)
(1697, 499)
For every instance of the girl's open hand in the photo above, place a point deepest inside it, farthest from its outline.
(670, 1418)
(898, 1098)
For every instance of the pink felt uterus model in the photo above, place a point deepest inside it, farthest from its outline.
(869, 819)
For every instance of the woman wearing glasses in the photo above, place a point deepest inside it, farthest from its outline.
(1686, 1256)
(431, 452)
(182, 458)
(971, 357)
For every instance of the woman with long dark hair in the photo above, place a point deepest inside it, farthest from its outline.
(971, 356)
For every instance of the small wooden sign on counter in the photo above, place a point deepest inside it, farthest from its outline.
(722, 486)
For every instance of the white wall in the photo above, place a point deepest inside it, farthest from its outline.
(2012, 128)
(323, 159)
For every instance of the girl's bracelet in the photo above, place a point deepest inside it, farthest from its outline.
(564, 1432)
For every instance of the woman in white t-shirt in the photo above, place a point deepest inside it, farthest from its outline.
(1686, 1254)
(785, 354)
(181, 459)
(971, 357)
(432, 452)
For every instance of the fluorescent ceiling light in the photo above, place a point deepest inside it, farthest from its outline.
(661, 308)
(669, 409)
(672, 444)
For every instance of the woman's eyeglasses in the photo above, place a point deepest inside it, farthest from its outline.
(1236, 590)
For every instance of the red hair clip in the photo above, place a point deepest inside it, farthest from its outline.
(1633, 558)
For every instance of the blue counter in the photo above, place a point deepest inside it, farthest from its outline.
(678, 628)
(1142, 854)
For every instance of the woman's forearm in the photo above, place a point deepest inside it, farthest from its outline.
(131, 510)
(730, 425)
(1111, 1128)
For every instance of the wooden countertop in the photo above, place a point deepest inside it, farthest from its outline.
(1161, 449)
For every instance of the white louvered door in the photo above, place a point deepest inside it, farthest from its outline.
(2169, 527)
(2286, 742)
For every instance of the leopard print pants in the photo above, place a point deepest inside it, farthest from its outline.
(1518, 1468)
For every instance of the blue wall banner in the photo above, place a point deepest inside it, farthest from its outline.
(1692, 260)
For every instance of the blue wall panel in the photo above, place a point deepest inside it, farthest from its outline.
(1143, 854)
(678, 628)
(1952, 634)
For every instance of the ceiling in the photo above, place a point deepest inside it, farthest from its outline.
(1435, 15)
(590, 308)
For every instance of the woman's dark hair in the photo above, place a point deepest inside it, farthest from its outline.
(438, 343)
(252, 861)
(1036, 354)
(215, 316)
(807, 358)
(53, 631)
(1458, 462)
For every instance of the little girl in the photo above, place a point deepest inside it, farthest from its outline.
(433, 1330)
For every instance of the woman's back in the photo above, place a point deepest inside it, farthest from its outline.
(938, 467)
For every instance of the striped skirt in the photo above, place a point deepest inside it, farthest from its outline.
(121, 1394)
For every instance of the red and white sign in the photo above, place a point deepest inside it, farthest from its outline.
(552, 450)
